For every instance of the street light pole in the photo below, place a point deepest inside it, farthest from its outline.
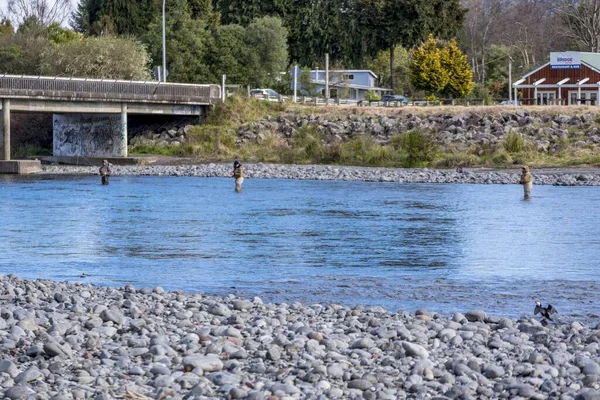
(510, 80)
(164, 47)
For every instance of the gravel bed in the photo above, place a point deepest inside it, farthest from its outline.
(76, 341)
(559, 177)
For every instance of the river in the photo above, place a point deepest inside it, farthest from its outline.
(444, 247)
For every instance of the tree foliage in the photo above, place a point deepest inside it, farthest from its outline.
(266, 43)
(20, 54)
(188, 41)
(101, 57)
(427, 68)
(380, 65)
(441, 68)
(6, 27)
(227, 55)
(460, 74)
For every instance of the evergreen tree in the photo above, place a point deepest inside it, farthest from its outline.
(242, 12)
(460, 82)
(441, 68)
(427, 68)
(83, 18)
(200, 9)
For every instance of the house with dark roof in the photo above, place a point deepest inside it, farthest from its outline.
(569, 78)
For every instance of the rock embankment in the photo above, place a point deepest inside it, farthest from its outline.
(76, 341)
(463, 131)
(562, 177)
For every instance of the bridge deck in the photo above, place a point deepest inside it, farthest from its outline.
(77, 89)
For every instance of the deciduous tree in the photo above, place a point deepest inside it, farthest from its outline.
(45, 11)
(266, 44)
(582, 19)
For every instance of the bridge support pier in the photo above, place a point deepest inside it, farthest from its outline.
(124, 130)
(8, 166)
(5, 129)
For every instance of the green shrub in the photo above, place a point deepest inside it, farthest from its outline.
(502, 157)
(514, 142)
(372, 96)
(419, 145)
(453, 160)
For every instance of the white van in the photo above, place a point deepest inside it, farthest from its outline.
(263, 93)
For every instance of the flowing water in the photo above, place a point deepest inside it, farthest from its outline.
(444, 247)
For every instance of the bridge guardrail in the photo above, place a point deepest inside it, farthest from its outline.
(118, 90)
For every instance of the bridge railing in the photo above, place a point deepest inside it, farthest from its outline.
(78, 88)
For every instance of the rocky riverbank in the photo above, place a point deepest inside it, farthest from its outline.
(75, 341)
(549, 132)
(560, 177)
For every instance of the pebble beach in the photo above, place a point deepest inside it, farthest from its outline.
(77, 341)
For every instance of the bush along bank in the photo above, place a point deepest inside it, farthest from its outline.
(266, 132)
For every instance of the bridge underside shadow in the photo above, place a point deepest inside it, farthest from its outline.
(87, 137)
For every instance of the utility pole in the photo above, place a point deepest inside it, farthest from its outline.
(295, 82)
(326, 78)
(164, 46)
(223, 92)
(510, 80)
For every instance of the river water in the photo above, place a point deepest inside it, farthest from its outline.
(444, 247)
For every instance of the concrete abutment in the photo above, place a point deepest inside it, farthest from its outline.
(8, 166)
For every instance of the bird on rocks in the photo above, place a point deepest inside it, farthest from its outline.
(546, 312)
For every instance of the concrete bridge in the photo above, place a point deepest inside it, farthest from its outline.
(90, 115)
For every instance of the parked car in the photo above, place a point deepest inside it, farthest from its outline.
(395, 97)
(263, 93)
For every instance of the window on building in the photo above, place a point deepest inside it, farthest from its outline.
(348, 77)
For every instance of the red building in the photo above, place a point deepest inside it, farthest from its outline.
(569, 78)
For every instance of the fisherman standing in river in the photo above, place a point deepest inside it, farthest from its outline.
(104, 172)
(238, 174)
(527, 182)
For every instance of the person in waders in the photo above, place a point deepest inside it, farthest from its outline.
(238, 174)
(104, 172)
(527, 182)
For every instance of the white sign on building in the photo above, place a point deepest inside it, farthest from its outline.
(565, 60)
